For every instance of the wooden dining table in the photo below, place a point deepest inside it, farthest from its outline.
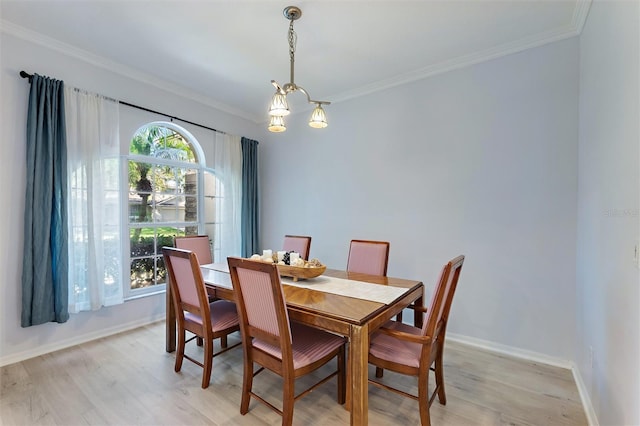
(352, 317)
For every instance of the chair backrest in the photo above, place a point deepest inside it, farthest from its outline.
(199, 244)
(368, 257)
(438, 312)
(298, 243)
(187, 285)
(260, 301)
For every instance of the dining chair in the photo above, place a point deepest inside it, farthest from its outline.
(199, 244)
(298, 243)
(270, 340)
(368, 257)
(194, 313)
(414, 351)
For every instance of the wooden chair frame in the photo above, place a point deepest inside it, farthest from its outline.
(200, 245)
(283, 367)
(195, 243)
(202, 331)
(382, 243)
(431, 337)
(307, 240)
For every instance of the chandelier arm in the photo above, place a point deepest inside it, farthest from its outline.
(311, 101)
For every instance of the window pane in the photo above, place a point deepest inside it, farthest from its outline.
(142, 272)
(163, 198)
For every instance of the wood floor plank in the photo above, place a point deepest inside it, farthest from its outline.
(128, 379)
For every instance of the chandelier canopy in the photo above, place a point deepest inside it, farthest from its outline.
(279, 107)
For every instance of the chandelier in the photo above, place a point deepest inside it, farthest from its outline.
(279, 107)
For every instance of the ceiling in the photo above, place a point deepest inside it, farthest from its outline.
(224, 53)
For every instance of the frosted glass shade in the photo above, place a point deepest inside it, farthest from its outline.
(276, 124)
(279, 105)
(318, 118)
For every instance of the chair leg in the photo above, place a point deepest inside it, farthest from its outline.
(199, 341)
(180, 350)
(247, 384)
(342, 368)
(208, 363)
(288, 401)
(223, 342)
(423, 400)
(379, 372)
(442, 397)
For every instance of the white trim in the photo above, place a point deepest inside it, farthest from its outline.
(511, 351)
(580, 14)
(77, 340)
(592, 418)
(537, 357)
(574, 29)
(118, 68)
(464, 340)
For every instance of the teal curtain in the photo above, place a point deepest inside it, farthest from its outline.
(250, 214)
(45, 268)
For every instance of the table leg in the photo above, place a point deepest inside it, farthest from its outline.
(359, 362)
(170, 322)
(418, 313)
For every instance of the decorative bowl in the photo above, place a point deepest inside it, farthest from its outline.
(301, 272)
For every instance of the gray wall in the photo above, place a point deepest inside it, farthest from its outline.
(608, 282)
(480, 161)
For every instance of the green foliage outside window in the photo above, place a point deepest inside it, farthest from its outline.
(151, 183)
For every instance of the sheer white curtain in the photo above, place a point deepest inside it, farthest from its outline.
(228, 166)
(95, 260)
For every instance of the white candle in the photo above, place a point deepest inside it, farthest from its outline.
(267, 254)
(280, 254)
(293, 257)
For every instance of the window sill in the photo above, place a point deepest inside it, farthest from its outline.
(141, 296)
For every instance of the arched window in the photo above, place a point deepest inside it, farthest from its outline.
(169, 194)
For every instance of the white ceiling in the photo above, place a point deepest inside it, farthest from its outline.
(225, 52)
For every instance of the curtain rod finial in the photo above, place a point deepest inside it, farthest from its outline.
(25, 74)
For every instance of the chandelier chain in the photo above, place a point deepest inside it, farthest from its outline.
(292, 41)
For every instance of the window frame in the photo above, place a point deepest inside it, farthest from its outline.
(199, 165)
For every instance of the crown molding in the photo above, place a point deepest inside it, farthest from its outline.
(580, 14)
(118, 68)
(459, 62)
(578, 20)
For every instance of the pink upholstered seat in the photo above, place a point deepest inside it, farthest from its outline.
(271, 341)
(368, 257)
(192, 307)
(412, 351)
(298, 243)
(199, 244)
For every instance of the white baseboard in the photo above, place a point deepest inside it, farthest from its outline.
(511, 351)
(592, 418)
(56, 346)
(465, 340)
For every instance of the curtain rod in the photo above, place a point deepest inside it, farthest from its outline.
(28, 76)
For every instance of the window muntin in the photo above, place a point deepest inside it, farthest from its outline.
(164, 201)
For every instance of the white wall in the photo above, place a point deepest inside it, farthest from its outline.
(480, 161)
(17, 343)
(608, 282)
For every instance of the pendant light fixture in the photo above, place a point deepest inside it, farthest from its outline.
(279, 107)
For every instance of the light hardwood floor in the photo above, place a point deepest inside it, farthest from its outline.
(128, 379)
